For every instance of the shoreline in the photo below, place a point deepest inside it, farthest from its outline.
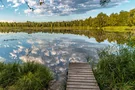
(79, 28)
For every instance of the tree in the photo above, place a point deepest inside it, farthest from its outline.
(131, 17)
(101, 20)
(113, 19)
(123, 18)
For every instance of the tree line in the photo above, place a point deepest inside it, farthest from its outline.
(124, 18)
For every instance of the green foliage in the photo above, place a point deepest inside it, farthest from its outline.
(123, 18)
(131, 17)
(116, 71)
(9, 74)
(101, 20)
(29, 82)
(26, 76)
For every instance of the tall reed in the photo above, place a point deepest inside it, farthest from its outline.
(116, 70)
(26, 76)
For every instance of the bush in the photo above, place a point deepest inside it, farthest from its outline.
(9, 74)
(26, 76)
(116, 71)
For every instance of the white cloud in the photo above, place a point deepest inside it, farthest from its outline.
(13, 55)
(16, 10)
(10, 21)
(27, 11)
(127, 1)
(39, 11)
(63, 7)
(16, 5)
(1, 6)
(2, 59)
(32, 59)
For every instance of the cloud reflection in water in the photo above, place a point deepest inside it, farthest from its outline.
(54, 52)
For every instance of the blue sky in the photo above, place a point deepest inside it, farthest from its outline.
(59, 10)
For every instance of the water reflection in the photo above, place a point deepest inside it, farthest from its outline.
(52, 50)
(99, 35)
(56, 48)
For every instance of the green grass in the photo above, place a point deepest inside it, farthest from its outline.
(26, 76)
(116, 71)
(119, 29)
(39, 29)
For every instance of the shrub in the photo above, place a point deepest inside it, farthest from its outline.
(9, 74)
(26, 76)
(116, 71)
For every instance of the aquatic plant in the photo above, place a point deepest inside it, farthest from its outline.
(26, 76)
(116, 71)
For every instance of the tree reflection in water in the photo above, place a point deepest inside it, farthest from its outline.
(99, 35)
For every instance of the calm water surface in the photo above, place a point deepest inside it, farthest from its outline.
(53, 50)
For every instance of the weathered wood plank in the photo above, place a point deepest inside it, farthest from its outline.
(81, 69)
(80, 72)
(82, 86)
(72, 73)
(81, 83)
(80, 89)
(80, 77)
(78, 66)
(78, 80)
(72, 69)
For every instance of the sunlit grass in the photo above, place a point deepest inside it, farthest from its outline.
(26, 76)
(119, 29)
(116, 71)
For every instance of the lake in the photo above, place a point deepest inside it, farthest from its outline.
(55, 50)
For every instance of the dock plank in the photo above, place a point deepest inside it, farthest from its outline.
(81, 77)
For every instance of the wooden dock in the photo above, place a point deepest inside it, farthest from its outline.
(80, 77)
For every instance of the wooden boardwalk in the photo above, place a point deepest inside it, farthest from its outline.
(80, 77)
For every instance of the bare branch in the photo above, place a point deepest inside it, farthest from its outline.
(41, 2)
(29, 6)
(104, 2)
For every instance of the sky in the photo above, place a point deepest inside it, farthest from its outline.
(58, 10)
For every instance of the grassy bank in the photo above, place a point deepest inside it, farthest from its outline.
(119, 29)
(116, 71)
(26, 76)
(81, 28)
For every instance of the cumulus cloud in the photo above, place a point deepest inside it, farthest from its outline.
(32, 59)
(63, 7)
(9, 21)
(1, 6)
(13, 55)
(39, 11)
(16, 5)
(16, 10)
(27, 11)
(2, 59)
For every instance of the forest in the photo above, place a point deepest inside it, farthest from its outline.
(124, 18)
